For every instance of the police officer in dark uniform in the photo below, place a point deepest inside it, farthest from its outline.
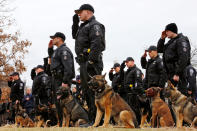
(176, 55)
(155, 73)
(62, 66)
(116, 82)
(17, 90)
(89, 44)
(41, 88)
(133, 85)
(190, 77)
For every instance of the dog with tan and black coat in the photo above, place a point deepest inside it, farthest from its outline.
(183, 108)
(110, 103)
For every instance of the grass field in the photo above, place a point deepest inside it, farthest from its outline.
(94, 129)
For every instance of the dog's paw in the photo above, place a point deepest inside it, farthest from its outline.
(106, 126)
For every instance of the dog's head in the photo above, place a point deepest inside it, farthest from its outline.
(153, 91)
(97, 82)
(170, 90)
(63, 92)
(19, 109)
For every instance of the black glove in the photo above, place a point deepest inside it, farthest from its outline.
(33, 73)
(122, 66)
(75, 25)
(75, 19)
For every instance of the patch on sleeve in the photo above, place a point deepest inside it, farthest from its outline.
(191, 72)
(138, 73)
(21, 86)
(184, 44)
(64, 53)
(97, 29)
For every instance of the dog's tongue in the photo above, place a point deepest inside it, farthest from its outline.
(58, 97)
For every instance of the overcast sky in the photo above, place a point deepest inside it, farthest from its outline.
(131, 25)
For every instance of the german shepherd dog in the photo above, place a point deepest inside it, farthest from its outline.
(72, 111)
(106, 100)
(160, 110)
(21, 117)
(183, 108)
(41, 115)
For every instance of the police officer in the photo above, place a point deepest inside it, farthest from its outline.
(176, 55)
(155, 72)
(17, 91)
(17, 87)
(41, 88)
(89, 44)
(133, 85)
(190, 77)
(62, 66)
(115, 78)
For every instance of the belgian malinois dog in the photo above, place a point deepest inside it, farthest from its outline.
(106, 100)
(160, 110)
(183, 108)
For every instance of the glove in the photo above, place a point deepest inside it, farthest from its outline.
(50, 44)
(111, 71)
(122, 66)
(75, 19)
(33, 73)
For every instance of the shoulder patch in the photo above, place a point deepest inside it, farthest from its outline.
(97, 29)
(21, 86)
(184, 44)
(64, 53)
(138, 73)
(191, 72)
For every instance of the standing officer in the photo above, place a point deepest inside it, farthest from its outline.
(41, 88)
(190, 77)
(176, 55)
(155, 72)
(17, 91)
(89, 45)
(133, 85)
(115, 78)
(62, 66)
(17, 88)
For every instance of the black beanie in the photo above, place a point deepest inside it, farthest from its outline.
(172, 27)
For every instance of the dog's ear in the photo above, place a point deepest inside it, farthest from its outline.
(104, 75)
(172, 86)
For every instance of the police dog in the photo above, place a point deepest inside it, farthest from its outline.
(21, 117)
(160, 110)
(72, 111)
(106, 100)
(41, 115)
(183, 108)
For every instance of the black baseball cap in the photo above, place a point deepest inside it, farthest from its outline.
(14, 74)
(40, 66)
(58, 34)
(116, 65)
(85, 7)
(152, 48)
(129, 59)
